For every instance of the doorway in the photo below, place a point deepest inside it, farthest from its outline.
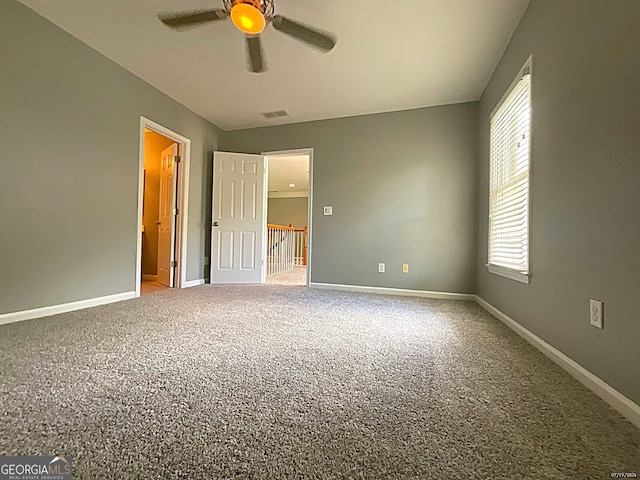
(289, 215)
(162, 208)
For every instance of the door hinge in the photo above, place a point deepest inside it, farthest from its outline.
(175, 211)
(176, 159)
(174, 264)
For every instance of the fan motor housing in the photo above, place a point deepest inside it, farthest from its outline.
(265, 6)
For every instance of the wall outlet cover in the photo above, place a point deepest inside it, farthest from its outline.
(328, 210)
(405, 268)
(381, 268)
(595, 317)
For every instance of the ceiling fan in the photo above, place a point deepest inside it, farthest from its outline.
(251, 17)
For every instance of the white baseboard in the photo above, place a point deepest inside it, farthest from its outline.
(65, 307)
(606, 392)
(394, 291)
(193, 283)
(151, 278)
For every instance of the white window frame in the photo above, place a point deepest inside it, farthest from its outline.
(520, 276)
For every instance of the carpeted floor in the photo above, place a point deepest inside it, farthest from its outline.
(297, 276)
(286, 382)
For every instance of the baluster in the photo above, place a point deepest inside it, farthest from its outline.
(268, 251)
(293, 249)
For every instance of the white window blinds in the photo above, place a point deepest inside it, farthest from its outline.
(509, 180)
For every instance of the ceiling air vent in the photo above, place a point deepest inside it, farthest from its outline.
(277, 113)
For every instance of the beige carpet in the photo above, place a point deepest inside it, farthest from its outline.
(286, 382)
(297, 276)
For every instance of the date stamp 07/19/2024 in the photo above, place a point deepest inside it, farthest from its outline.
(624, 475)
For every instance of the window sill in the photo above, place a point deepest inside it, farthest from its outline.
(509, 273)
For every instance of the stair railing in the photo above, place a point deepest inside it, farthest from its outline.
(280, 248)
(300, 256)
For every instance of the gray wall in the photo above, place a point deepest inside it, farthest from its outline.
(585, 183)
(69, 131)
(402, 186)
(285, 211)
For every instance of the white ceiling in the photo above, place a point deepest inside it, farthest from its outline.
(390, 55)
(286, 170)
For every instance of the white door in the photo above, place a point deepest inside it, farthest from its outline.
(167, 215)
(238, 218)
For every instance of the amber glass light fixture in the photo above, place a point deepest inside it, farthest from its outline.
(247, 16)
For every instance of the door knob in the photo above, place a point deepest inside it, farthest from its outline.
(158, 223)
(215, 224)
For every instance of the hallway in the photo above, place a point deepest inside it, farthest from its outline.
(297, 276)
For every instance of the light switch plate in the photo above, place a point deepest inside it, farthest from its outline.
(328, 210)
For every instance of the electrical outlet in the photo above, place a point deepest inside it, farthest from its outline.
(327, 210)
(405, 268)
(596, 313)
(381, 268)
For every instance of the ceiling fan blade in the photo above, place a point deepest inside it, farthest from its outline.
(180, 21)
(255, 56)
(315, 38)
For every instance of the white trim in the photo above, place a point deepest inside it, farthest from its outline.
(265, 214)
(150, 278)
(183, 212)
(310, 223)
(309, 153)
(606, 392)
(509, 273)
(193, 283)
(288, 194)
(184, 150)
(526, 69)
(63, 308)
(394, 291)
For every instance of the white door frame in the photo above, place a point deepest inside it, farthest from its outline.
(182, 196)
(285, 153)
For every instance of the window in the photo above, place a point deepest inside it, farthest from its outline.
(509, 154)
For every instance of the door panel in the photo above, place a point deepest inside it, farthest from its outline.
(247, 249)
(237, 236)
(225, 250)
(249, 200)
(167, 218)
(250, 168)
(227, 166)
(227, 199)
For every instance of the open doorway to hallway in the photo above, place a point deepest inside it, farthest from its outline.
(288, 217)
